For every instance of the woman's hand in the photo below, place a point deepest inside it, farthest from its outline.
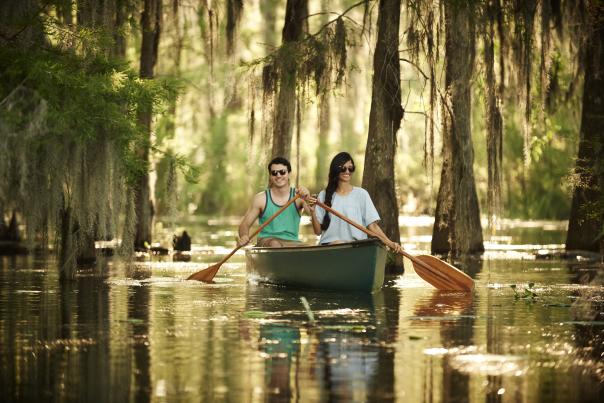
(311, 201)
(396, 248)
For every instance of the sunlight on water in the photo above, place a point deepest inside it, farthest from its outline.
(145, 333)
(489, 364)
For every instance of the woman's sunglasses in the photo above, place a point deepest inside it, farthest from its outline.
(281, 172)
(345, 169)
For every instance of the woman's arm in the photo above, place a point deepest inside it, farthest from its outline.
(316, 225)
(375, 228)
(309, 207)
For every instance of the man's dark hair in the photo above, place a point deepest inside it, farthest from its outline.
(279, 160)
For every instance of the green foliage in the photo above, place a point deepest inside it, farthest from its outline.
(215, 196)
(538, 190)
(87, 97)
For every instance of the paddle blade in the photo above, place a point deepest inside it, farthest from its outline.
(205, 275)
(441, 274)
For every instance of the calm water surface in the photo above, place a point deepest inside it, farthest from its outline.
(145, 334)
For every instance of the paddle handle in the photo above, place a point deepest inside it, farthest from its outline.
(267, 222)
(348, 220)
(369, 232)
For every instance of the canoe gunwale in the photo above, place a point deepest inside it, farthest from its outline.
(311, 248)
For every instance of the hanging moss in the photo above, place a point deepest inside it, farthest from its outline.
(234, 11)
(319, 60)
(68, 130)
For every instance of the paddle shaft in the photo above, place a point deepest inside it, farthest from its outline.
(371, 233)
(267, 222)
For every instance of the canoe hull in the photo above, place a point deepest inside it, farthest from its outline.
(354, 266)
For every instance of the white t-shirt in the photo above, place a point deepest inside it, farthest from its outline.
(357, 206)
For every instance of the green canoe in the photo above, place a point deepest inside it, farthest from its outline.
(353, 266)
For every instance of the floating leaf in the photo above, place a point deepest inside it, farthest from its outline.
(254, 314)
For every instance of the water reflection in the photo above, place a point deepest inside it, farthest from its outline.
(145, 334)
(336, 357)
(138, 316)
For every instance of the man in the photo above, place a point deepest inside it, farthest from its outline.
(283, 230)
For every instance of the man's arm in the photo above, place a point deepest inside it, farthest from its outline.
(250, 217)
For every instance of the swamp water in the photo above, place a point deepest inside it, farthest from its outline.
(145, 334)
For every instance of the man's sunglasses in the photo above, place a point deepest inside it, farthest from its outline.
(281, 172)
(349, 169)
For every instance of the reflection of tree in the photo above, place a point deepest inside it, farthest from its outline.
(587, 309)
(386, 311)
(138, 315)
(55, 343)
(342, 357)
(93, 309)
(453, 333)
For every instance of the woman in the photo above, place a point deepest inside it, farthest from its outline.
(353, 202)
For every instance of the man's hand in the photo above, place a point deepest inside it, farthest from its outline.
(311, 202)
(243, 240)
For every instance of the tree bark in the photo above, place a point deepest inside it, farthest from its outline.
(586, 222)
(295, 25)
(457, 227)
(67, 250)
(385, 118)
(324, 105)
(151, 28)
(120, 20)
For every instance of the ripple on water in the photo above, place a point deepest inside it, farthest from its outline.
(124, 282)
(490, 364)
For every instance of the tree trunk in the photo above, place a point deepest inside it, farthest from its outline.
(385, 118)
(151, 27)
(19, 25)
(67, 250)
(324, 106)
(295, 23)
(120, 20)
(586, 222)
(457, 227)
(12, 232)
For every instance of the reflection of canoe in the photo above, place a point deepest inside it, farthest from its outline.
(354, 266)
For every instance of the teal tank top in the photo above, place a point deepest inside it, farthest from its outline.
(286, 225)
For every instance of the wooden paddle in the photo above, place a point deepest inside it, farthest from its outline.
(438, 273)
(206, 275)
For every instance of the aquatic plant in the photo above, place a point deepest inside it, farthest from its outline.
(527, 293)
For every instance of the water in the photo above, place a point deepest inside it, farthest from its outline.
(145, 334)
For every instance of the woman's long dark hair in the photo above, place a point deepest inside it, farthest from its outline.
(335, 168)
